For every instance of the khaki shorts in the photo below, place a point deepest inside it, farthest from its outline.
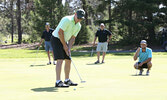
(102, 47)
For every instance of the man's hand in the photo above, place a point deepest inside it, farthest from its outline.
(108, 40)
(93, 44)
(138, 49)
(136, 54)
(141, 64)
(66, 49)
(39, 44)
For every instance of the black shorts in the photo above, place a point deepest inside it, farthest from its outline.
(143, 66)
(58, 50)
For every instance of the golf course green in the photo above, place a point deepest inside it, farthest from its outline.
(24, 75)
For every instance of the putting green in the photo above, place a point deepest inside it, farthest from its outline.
(113, 80)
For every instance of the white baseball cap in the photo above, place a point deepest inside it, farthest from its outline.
(102, 24)
(47, 23)
(143, 42)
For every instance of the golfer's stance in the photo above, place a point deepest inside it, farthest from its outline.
(66, 31)
(145, 55)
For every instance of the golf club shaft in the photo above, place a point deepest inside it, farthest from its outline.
(76, 69)
(137, 68)
(36, 56)
(92, 52)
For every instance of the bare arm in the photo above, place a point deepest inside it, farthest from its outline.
(136, 54)
(61, 36)
(146, 61)
(109, 38)
(40, 42)
(70, 43)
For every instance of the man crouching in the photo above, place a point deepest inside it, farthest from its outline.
(145, 56)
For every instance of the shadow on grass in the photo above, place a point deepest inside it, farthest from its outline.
(45, 89)
(37, 65)
(123, 54)
(93, 64)
(139, 75)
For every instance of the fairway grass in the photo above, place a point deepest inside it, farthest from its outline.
(113, 80)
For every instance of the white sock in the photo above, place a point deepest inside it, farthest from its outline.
(57, 81)
(66, 80)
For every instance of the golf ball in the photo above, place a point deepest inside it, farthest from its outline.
(74, 88)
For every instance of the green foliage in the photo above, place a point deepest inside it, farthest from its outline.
(83, 35)
(46, 11)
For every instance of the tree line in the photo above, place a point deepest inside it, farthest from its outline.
(129, 20)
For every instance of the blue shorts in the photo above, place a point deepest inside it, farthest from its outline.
(48, 46)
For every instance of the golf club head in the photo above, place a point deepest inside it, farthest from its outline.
(83, 81)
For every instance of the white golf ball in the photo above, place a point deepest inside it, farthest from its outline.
(74, 88)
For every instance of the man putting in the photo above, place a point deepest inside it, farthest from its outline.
(145, 56)
(62, 41)
(103, 39)
(48, 47)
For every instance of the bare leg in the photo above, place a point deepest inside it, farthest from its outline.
(48, 53)
(104, 53)
(58, 69)
(149, 64)
(67, 68)
(98, 56)
(136, 65)
(53, 56)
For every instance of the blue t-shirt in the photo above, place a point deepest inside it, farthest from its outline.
(143, 56)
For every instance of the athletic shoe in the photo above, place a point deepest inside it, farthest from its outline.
(61, 84)
(48, 63)
(147, 73)
(70, 83)
(102, 62)
(96, 62)
(54, 63)
(141, 71)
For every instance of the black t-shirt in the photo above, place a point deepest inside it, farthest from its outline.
(47, 35)
(102, 35)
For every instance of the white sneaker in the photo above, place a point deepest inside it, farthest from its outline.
(54, 62)
(147, 73)
(141, 71)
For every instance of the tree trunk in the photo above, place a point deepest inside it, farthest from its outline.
(19, 22)
(109, 12)
(130, 23)
(151, 28)
(86, 12)
(12, 20)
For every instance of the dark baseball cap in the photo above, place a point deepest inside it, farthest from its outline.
(80, 14)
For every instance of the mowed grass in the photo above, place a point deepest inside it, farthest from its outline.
(113, 80)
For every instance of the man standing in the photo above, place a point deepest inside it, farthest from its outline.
(66, 31)
(48, 47)
(103, 39)
(145, 56)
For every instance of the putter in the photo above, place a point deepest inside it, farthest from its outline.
(35, 57)
(137, 69)
(77, 71)
(92, 52)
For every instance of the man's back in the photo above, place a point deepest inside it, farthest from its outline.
(67, 24)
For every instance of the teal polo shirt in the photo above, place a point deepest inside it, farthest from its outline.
(143, 56)
(67, 24)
